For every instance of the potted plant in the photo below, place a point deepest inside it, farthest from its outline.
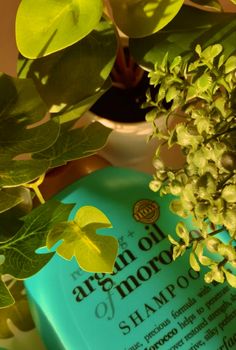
(39, 110)
(198, 85)
(63, 98)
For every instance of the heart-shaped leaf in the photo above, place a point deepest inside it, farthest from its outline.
(20, 258)
(67, 79)
(20, 99)
(93, 252)
(47, 26)
(139, 18)
(75, 143)
(16, 140)
(77, 109)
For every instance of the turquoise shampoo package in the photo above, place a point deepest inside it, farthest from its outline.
(149, 302)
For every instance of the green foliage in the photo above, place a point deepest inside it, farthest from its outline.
(94, 252)
(19, 251)
(75, 143)
(190, 27)
(201, 92)
(66, 90)
(30, 144)
(21, 108)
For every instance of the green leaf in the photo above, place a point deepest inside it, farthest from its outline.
(193, 262)
(172, 240)
(6, 298)
(171, 93)
(229, 193)
(176, 206)
(76, 110)
(75, 143)
(47, 26)
(216, 274)
(155, 185)
(227, 251)
(19, 313)
(11, 197)
(201, 209)
(231, 278)
(182, 232)
(230, 64)
(71, 80)
(206, 185)
(203, 83)
(18, 172)
(203, 126)
(212, 244)
(19, 99)
(178, 250)
(207, 28)
(21, 261)
(230, 218)
(9, 227)
(139, 18)
(20, 108)
(16, 140)
(204, 260)
(209, 4)
(211, 52)
(93, 252)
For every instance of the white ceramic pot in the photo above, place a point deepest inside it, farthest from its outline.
(128, 144)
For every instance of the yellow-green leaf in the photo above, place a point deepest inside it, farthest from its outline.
(93, 252)
(231, 279)
(172, 240)
(138, 18)
(204, 260)
(6, 298)
(193, 262)
(18, 172)
(182, 232)
(46, 26)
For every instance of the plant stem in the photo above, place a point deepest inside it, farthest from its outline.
(220, 134)
(213, 233)
(39, 194)
(35, 187)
